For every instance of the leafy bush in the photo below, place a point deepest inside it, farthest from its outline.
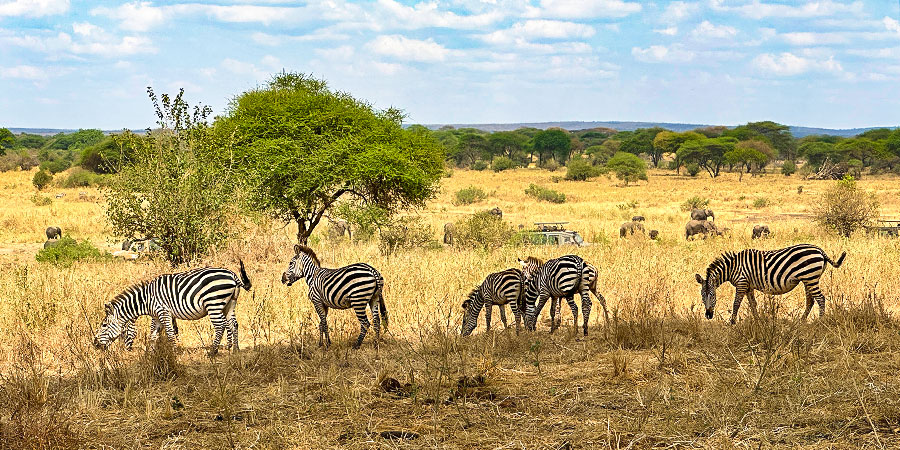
(479, 165)
(502, 163)
(550, 165)
(41, 200)
(406, 233)
(580, 170)
(364, 219)
(627, 167)
(41, 179)
(55, 166)
(18, 159)
(788, 168)
(106, 156)
(695, 202)
(469, 195)
(78, 177)
(845, 208)
(67, 251)
(482, 230)
(693, 169)
(761, 202)
(545, 194)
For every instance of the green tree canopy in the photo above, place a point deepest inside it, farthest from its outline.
(77, 140)
(747, 154)
(667, 142)
(707, 153)
(816, 152)
(552, 143)
(627, 167)
(508, 143)
(27, 140)
(7, 140)
(777, 135)
(304, 147)
(641, 141)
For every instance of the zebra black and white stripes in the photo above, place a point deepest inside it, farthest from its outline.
(187, 295)
(355, 286)
(559, 278)
(771, 272)
(498, 288)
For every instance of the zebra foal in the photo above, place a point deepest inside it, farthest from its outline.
(189, 295)
(772, 272)
(355, 286)
(559, 278)
(498, 288)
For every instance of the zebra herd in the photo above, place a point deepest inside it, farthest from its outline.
(213, 292)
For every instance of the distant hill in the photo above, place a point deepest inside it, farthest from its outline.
(53, 131)
(630, 126)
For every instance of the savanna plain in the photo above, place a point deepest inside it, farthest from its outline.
(658, 375)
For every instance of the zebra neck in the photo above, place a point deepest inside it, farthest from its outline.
(309, 267)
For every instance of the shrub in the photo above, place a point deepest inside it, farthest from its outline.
(580, 170)
(479, 165)
(41, 200)
(67, 251)
(692, 169)
(695, 202)
(469, 195)
(845, 208)
(788, 168)
(502, 163)
(761, 202)
(406, 233)
(364, 219)
(41, 179)
(55, 166)
(545, 194)
(106, 156)
(627, 167)
(79, 177)
(550, 165)
(482, 230)
(18, 159)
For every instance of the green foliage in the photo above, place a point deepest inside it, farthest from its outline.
(761, 202)
(78, 177)
(30, 141)
(600, 154)
(749, 155)
(41, 200)
(641, 141)
(553, 143)
(695, 202)
(55, 166)
(627, 167)
(579, 169)
(469, 150)
(469, 195)
(18, 159)
(75, 141)
(668, 142)
(7, 140)
(816, 152)
(67, 251)
(479, 165)
(545, 194)
(550, 165)
(708, 153)
(775, 134)
(106, 156)
(41, 179)
(509, 145)
(788, 168)
(693, 169)
(407, 233)
(482, 230)
(845, 208)
(303, 147)
(502, 163)
(178, 188)
(364, 220)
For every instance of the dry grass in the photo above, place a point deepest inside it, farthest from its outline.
(657, 376)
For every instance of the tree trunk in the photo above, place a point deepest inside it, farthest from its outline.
(303, 232)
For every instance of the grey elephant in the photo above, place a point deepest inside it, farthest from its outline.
(628, 228)
(760, 231)
(337, 229)
(637, 219)
(448, 233)
(702, 228)
(702, 214)
(654, 234)
(53, 232)
(496, 212)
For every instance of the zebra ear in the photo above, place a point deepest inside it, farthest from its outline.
(296, 249)
(699, 278)
(523, 263)
(107, 308)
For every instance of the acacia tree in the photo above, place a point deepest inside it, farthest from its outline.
(554, 142)
(303, 147)
(669, 142)
(708, 153)
(746, 154)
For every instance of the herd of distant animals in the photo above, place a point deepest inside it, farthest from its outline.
(213, 292)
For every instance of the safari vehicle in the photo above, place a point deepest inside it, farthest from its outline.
(888, 228)
(554, 233)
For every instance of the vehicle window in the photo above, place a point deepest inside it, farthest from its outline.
(578, 239)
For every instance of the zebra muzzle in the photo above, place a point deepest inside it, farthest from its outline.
(709, 314)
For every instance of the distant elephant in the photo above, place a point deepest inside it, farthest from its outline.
(760, 231)
(654, 234)
(53, 232)
(702, 228)
(702, 214)
(448, 233)
(337, 229)
(637, 219)
(496, 212)
(630, 228)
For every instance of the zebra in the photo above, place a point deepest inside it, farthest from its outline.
(187, 295)
(559, 278)
(498, 288)
(353, 286)
(771, 272)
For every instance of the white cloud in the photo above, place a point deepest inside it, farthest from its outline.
(677, 11)
(879, 53)
(427, 14)
(708, 30)
(660, 53)
(892, 24)
(274, 40)
(583, 9)
(788, 64)
(24, 72)
(388, 68)
(757, 9)
(86, 39)
(670, 31)
(342, 53)
(134, 16)
(33, 8)
(404, 48)
(539, 29)
(244, 69)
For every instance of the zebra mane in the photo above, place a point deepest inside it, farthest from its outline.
(720, 262)
(122, 295)
(300, 248)
(532, 259)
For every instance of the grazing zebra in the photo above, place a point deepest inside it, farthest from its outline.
(498, 288)
(189, 295)
(556, 279)
(771, 272)
(353, 286)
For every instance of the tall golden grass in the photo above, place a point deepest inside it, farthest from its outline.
(657, 375)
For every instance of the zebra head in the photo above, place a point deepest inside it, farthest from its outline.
(708, 293)
(531, 298)
(295, 267)
(530, 266)
(470, 317)
(111, 328)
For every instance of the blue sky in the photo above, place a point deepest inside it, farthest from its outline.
(830, 63)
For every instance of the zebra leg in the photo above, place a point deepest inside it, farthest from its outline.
(738, 297)
(751, 300)
(518, 316)
(571, 301)
(810, 299)
(503, 315)
(553, 314)
(542, 300)
(586, 309)
(165, 318)
(232, 328)
(155, 328)
(376, 319)
(363, 323)
(322, 311)
(488, 307)
(218, 322)
(813, 288)
(130, 333)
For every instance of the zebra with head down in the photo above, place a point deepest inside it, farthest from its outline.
(499, 288)
(559, 278)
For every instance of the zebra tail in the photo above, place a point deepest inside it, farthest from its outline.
(839, 261)
(382, 308)
(245, 280)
